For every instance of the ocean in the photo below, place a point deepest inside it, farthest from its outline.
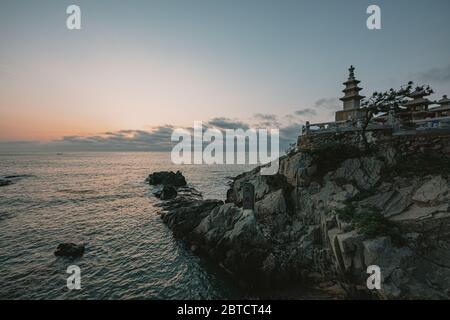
(102, 200)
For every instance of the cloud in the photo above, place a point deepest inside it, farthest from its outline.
(327, 103)
(306, 112)
(288, 135)
(154, 139)
(19, 146)
(321, 110)
(227, 123)
(265, 117)
(439, 75)
(266, 120)
(157, 139)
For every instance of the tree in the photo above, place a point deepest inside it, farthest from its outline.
(391, 100)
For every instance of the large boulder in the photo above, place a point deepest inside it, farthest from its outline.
(393, 262)
(364, 172)
(416, 213)
(167, 178)
(271, 211)
(183, 214)
(262, 184)
(231, 236)
(432, 190)
(389, 203)
(297, 168)
(69, 250)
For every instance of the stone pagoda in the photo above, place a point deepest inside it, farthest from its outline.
(417, 108)
(351, 99)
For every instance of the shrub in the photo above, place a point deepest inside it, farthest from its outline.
(370, 222)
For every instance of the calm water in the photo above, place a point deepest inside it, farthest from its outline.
(100, 199)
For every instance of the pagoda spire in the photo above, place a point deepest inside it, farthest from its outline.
(351, 75)
(351, 99)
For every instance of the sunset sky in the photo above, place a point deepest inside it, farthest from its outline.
(139, 68)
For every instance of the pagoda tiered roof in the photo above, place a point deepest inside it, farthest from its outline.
(444, 101)
(444, 105)
(418, 99)
(351, 87)
(418, 102)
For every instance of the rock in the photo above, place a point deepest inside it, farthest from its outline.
(263, 185)
(333, 196)
(168, 192)
(220, 219)
(5, 182)
(390, 155)
(392, 261)
(389, 203)
(365, 172)
(167, 178)
(349, 251)
(269, 264)
(297, 167)
(228, 223)
(183, 214)
(231, 236)
(271, 211)
(69, 250)
(374, 249)
(431, 190)
(420, 213)
(398, 203)
(378, 201)
(385, 187)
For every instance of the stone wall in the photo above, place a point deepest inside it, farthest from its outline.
(426, 143)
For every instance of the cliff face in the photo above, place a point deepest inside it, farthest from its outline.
(335, 207)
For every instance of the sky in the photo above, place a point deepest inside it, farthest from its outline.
(138, 69)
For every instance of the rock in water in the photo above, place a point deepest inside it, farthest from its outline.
(69, 250)
(4, 182)
(167, 178)
(168, 192)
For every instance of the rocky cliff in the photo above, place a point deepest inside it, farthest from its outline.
(336, 206)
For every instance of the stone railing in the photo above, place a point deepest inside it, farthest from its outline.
(340, 126)
(442, 123)
(433, 123)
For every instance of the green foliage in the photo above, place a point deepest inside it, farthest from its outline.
(346, 214)
(390, 100)
(363, 194)
(370, 222)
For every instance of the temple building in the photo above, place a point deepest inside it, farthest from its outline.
(351, 99)
(417, 108)
(443, 110)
